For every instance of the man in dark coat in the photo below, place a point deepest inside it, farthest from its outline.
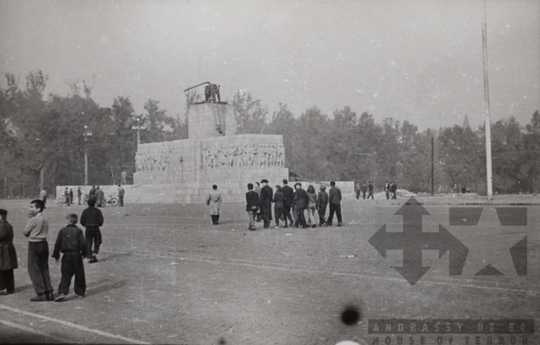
(8, 255)
(266, 203)
(252, 205)
(92, 219)
(288, 198)
(370, 189)
(334, 198)
(300, 205)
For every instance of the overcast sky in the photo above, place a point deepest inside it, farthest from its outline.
(416, 60)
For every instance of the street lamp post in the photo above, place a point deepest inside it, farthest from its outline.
(86, 134)
(138, 127)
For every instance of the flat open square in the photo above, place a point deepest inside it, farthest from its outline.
(166, 275)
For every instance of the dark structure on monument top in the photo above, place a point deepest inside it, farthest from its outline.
(211, 93)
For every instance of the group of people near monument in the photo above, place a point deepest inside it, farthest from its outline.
(296, 207)
(292, 207)
(70, 242)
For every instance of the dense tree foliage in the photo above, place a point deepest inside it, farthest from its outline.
(43, 142)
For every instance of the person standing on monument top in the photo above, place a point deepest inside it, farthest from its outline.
(214, 201)
(266, 203)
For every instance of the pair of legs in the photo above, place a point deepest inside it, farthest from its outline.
(93, 241)
(38, 270)
(322, 213)
(278, 212)
(300, 219)
(72, 265)
(7, 281)
(311, 216)
(287, 215)
(215, 219)
(252, 215)
(334, 208)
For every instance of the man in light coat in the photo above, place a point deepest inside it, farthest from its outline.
(214, 202)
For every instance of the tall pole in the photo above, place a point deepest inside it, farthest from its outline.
(432, 169)
(486, 108)
(86, 134)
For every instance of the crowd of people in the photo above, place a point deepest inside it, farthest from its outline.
(292, 207)
(70, 242)
(390, 189)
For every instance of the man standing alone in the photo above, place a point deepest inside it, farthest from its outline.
(92, 219)
(37, 230)
(334, 198)
(121, 193)
(214, 201)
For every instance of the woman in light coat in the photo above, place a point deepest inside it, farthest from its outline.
(312, 205)
(214, 202)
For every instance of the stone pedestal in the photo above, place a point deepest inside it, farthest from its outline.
(185, 170)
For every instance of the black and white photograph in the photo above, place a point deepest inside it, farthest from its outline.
(307, 172)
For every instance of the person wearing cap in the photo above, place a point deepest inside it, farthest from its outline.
(266, 203)
(8, 255)
(71, 242)
(334, 198)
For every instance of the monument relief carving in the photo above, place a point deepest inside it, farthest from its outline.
(243, 155)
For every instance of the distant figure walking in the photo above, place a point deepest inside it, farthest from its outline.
(79, 195)
(43, 196)
(370, 190)
(100, 197)
(364, 190)
(92, 219)
(214, 201)
(121, 193)
(252, 205)
(66, 197)
(70, 241)
(8, 255)
(334, 198)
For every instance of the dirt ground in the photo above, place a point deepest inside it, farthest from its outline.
(167, 275)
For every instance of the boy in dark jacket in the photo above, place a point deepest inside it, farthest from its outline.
(92, 219)
(71, 243)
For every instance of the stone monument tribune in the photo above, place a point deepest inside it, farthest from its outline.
(183, 171)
